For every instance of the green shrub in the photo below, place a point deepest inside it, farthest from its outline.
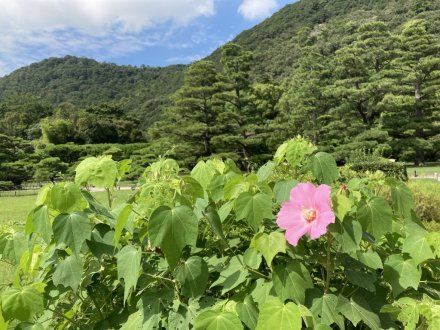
(362, 162)
(426, 194)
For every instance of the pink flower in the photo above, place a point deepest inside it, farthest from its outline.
(308, 212)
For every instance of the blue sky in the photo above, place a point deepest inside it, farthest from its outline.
(136, 32)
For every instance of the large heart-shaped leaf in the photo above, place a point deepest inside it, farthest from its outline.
(291, 281)
(269, 245)
(401, 273)
(275, 315)
(323, 166)
(193, 276)
(217, 320)
(21, 303)
(129, 267)
(97, 171)
(68, 272)
(253, 208)
(375, 216)
(72, 230)
(172, 230)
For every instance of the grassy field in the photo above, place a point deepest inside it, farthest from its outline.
(15, 208)
(429, 170)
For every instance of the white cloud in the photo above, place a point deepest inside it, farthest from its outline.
(35, 29)
(256, 9)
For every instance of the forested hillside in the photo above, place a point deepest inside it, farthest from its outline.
(356, 77)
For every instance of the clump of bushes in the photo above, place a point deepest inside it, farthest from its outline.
(426, 194)
(364, 162)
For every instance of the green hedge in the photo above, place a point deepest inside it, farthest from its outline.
(391, 169)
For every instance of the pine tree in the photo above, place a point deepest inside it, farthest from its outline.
(239, 120)
(412, 108)
(187, 124)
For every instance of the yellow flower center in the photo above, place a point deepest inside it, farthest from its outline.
(309, 214)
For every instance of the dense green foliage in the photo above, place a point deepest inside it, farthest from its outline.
(24, 161)
(203, 251)
(84, 83)
(426, 194)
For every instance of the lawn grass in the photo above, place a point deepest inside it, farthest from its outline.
(428, 170)
(14, 209)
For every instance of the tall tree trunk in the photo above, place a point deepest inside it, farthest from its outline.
(418, 134)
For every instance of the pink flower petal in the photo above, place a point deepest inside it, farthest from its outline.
(302, 195)
(293, 235)
(288, 216)
(322, 198)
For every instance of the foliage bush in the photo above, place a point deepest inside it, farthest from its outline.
(204, 251)
(363, 162)
(426, 194)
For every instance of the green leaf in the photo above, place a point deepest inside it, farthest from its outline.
(252, 258)
(402, 199)
(401, 273)
(134, 321)
(172, 230)
(21, 303)
(95, 206)
(215, 222)
(409, 312)
(129, 267)
(269, 245)
(324, 168)
(41, 223)
(275, 315)
(433, 239)
(375, 215)
(203, 173)
(231, 276)
(341, 205)
(121, 221)
(262, 291)
(296, 151)
(217, 320)
(124, 166)
(72, 230)
(291, 281)
(370, 258)
(348, 234)
(152, 305)
(281, 190)
(265, 171)
(65, 197)
(247, 312)
(236, 186)
(324, 309)
(253, 208)
(357, 309)
(193, 276)
(29, 326)
(192, 188)
(225, 210)
(362, 278)
(416, 244)
(216, 187)
(100, 172)
(68, 273)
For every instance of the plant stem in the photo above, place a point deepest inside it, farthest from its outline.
(96, 304)
(328, 266)
(160, 278)
(109, 196)
(63, 316)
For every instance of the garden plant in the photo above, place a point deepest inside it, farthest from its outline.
(290, 246)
